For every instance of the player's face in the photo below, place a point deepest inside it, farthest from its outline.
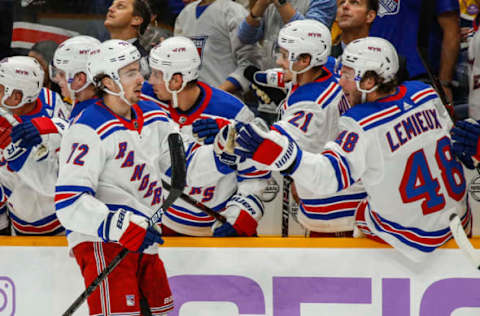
(10, 101)
(283, 61)
(352, 13)
(158, 84)
(349, 87)
(120, 14)
(131, 80)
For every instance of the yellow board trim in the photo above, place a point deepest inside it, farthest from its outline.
(259, 242)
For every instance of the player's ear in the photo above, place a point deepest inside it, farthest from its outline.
(176, 82)
(371, 14)
(81, 77)
(137, 21)
(17, 96)
(109, 84)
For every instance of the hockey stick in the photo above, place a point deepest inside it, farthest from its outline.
(197, 204)
(287, 181)
(462, 240)
(177, 157)
(14, 150)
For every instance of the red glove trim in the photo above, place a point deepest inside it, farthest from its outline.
(245, 225)
(44, 125)
(267, 152)
(477, 155)
(133, 237)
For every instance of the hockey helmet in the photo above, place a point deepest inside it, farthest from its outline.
(71, 59)
(21, 73)
(306, 37)
(176, 55)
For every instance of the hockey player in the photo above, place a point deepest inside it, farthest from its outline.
(28, 162)
(68, 70)
(309, 116)
(395, 138)
(234, 193)
(111, 160)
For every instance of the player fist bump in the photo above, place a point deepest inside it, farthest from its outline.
(206, 129)
(466, 141)
(130, 230)
(271, 149)
(242, 214)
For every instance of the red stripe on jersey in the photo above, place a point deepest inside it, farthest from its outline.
(64, 196)
(37, 229)
(374, 117)
(189, 216)
(431, 241)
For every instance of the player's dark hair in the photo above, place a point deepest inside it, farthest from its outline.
(382, 87)
(142, 9)
(372, 5)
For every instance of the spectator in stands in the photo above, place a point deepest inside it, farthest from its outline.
(267, 17)
(401, 24)
(354, 18)
(127, 20)
(212, 25)
(43, 52)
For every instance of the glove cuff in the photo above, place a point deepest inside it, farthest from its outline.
(44, 125)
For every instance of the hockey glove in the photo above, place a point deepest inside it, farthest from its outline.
(267, 147)
(206, 129)
(29, 133)
(466, 138)
(224, 144)
(130, 230)
(242, 214)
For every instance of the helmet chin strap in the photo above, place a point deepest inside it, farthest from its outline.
(295, 73)
(364, 91)
(174, 93)
(73, 91)
(120, 94)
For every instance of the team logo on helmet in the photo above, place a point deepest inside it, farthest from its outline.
(388, 7)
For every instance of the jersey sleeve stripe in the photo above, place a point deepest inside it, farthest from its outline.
(74, 188)
(341, 169)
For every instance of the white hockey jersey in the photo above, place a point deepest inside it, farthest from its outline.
(474, 77)
(221, 183)
(310, 116)
(214, 32)
(400, 147)
(27, 177)
(108, 163)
